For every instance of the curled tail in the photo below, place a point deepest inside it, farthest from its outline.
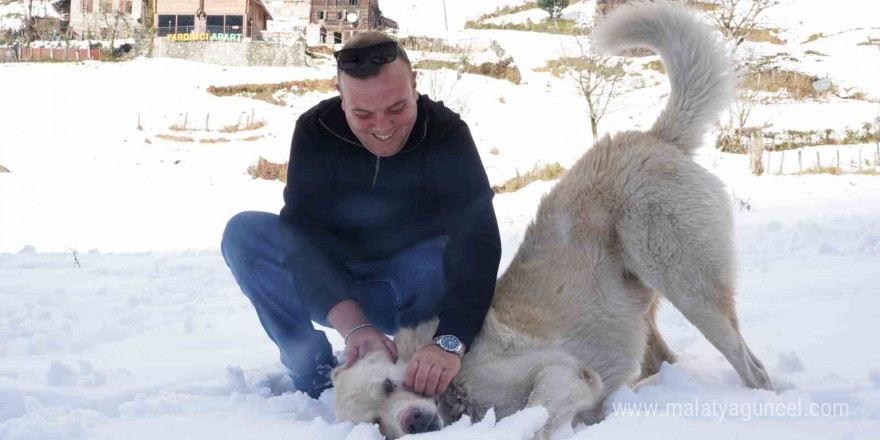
(695, 59)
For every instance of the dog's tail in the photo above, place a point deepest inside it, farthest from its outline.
(694, 56)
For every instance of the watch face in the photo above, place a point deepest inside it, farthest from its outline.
(450, 343)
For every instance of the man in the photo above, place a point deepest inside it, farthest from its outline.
(387, 222)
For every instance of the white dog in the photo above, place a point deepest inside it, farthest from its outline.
(573, 315)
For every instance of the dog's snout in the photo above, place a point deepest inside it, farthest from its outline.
(419, 420)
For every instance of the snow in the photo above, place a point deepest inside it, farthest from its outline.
(149, 337)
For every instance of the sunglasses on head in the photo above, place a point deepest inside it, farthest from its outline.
(355, 58)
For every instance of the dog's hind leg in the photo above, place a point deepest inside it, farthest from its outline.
(678, 243)
(656, 350)
(564, 390)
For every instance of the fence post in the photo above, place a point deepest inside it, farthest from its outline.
(860, 159)
(781, 161)
(800, 162)
(818, 161)
(838, 159)
(756, 153)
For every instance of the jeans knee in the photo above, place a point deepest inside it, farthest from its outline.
(239, 231)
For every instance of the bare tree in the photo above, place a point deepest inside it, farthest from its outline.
(745, 100)
(737, 19)
(116, 23)
(597, 79)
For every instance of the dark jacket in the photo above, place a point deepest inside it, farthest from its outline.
(346, 205)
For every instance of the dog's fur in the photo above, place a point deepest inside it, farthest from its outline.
(633, 219)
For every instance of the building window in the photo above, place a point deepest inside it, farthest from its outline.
(320, 15)
(86, 6)
(166, 25)
(215, 24)
(125, 6)
(234, 24)
(186, 24)
(337, 38)
(352, 2)
(340, 15)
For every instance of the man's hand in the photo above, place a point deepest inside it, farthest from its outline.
(365, 340)
(430, 370)
(346, 316)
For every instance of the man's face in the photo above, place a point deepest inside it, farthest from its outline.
(381, 110)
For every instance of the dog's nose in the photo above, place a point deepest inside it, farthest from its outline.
(418, 420)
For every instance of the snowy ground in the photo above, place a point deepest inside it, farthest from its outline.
(151, 337)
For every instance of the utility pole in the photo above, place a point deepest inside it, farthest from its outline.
(444, 16)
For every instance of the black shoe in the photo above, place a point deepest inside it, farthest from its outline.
(315, 381)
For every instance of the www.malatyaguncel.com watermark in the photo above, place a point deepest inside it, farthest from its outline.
(722, 411)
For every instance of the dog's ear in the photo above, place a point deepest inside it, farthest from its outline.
(411, 339)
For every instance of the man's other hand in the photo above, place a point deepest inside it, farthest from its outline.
(365, 340)
(431, 370)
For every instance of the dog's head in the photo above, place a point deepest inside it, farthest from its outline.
(371, 390)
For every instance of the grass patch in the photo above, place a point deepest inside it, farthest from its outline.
(428, 44)
(253, 138)
(559, 66)
(820, 170)
(431, 64)
(813, 52)
(703, 6)
(562, 26)
(507, 10)
(169, 137)
(870, 42)
(266, 92)
(502, 69)
(798, 85)
(213, 141)
(546, 172)
(250, 125)
(266, 170)
(814, 37)
(655, 65)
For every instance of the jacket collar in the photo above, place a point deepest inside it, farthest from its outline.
(333, 120)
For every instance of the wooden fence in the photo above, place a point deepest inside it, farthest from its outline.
(45, 53)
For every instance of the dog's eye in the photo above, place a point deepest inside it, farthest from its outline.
(388, 386)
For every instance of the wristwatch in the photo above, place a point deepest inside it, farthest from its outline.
(450, 343)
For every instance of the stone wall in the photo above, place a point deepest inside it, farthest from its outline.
(246, 53)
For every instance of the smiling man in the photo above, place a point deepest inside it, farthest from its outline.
(387, 222)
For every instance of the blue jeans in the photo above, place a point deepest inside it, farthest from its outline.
(400, 291)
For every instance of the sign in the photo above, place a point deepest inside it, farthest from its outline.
(227, 38)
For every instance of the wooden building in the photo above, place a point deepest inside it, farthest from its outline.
(245, 17)
(340, 19)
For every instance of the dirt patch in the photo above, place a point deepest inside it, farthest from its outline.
(502, 69)
(169, 137)
(766, 36)
(213, 141)
(547, 172)
(266, 92)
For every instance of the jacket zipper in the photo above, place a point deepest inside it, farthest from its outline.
(376, 174)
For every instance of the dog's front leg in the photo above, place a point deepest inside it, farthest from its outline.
(564, 390)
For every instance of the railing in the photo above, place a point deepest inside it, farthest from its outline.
(165, 31)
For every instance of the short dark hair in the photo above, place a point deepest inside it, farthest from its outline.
(364, 39)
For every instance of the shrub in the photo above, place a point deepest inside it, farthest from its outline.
(264, 169)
